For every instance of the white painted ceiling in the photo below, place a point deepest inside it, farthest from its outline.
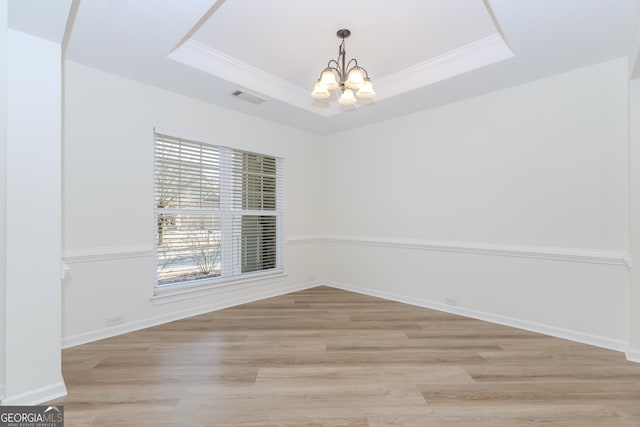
(300, 43)
(419, 53)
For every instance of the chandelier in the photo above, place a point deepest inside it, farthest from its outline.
(346, 75)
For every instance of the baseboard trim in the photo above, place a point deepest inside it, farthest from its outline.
(576, 336)
(633, 355)
(87, 337)
(37, 396)
(567, 334)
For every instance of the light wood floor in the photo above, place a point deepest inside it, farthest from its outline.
(326, 357)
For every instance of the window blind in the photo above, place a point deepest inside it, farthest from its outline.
(217, 211)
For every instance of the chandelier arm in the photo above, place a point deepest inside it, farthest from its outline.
(350, 67)
(335, 68)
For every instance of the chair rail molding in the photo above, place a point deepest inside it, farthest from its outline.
(73, 256)
(585, 255)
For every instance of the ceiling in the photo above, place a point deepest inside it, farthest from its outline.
(419, 53)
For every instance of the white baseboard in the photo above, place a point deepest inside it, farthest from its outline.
(567, 334)
(37, 396)
(581, 337)
(87, 337)
(633, 355)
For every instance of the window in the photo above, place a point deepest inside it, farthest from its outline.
(217, 212)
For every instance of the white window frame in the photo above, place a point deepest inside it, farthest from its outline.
(230, 274)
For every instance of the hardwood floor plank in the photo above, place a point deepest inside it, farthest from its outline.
(515, 415)
(327, 357)
(528, 392)
(408, 374)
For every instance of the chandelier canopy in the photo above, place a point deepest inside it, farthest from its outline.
(346, 75)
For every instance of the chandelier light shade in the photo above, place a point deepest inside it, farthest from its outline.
(348, 76)
(320, 91)
(355, 78)
(366, 91)
(347, 97)
(328, 79)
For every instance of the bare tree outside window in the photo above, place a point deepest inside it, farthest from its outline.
(187, 178)
(217, 211)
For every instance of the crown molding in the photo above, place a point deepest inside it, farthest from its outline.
(472, 56)
(204, 58)
(469, 57)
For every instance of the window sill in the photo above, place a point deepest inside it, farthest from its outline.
(172, 293)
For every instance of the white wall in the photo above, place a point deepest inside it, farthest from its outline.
(634, 197)
(107, 199)
(512, 206)
(634, 54)
(3, 181)
(33, 215)
(531, 179)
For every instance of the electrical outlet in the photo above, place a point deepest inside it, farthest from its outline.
(115, 320)
(451, 301)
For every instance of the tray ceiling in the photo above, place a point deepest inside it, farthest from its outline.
(419, 53)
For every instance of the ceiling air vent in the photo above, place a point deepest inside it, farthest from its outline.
(248, 97)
